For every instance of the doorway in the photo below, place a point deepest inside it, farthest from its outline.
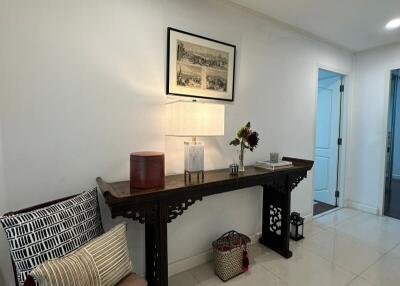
(392, 174)
(328, 141)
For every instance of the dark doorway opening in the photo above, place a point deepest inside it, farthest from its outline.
(392, 180)
(321, 207)
(328, 141)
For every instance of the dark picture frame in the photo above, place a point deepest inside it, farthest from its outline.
(199, 67)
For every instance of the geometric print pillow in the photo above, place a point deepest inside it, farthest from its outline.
(51, 232)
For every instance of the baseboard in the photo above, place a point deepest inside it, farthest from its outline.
(361, 207)
(182, 265)
(308, 218)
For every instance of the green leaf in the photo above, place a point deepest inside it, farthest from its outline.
(235, 142)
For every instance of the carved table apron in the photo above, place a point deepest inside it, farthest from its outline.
(157, 207)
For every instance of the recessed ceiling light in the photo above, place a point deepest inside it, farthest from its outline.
(393, 24)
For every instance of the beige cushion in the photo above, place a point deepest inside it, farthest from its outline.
(103, 261)
(132, 280)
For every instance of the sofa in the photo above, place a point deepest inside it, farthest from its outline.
(129, 280)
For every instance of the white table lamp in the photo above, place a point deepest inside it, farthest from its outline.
(195, 119)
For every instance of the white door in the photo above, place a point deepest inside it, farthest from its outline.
(327, 134)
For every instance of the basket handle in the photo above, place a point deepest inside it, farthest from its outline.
(228, 233)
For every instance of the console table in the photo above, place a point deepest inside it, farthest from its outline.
(157, 207)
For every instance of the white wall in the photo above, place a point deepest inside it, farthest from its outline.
(82, 85)
(369, 126)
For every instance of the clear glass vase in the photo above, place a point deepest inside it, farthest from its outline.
(241, 159)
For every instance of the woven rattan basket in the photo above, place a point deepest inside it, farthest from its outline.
(230, 255)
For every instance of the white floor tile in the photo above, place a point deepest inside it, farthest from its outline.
(345, 248)
(256, 276)
(360, 282)
(312, 228)
(395, 251)
(386, 272)
(335, 218)
(204, 274)
(183, 279)
(378, 232)
(346, 252)
(308, 269)
(259, 253)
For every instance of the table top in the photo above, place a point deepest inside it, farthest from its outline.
(121, 190)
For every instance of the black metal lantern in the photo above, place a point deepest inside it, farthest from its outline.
(296, 226)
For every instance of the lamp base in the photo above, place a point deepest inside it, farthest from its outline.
(188, 175)
(194, 157)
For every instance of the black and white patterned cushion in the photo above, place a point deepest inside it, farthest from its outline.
(54, 231)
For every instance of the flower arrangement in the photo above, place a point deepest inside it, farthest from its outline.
(247, 139)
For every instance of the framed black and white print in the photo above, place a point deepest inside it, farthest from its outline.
(199, 67)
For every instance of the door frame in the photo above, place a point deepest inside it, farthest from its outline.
(342, 160)
(387, 90)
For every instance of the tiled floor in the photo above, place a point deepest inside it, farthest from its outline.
(347, 247)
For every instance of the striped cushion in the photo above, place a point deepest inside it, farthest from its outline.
(103, 261)
(69, 270)
(50, 232)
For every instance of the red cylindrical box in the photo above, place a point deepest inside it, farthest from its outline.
(147, 170)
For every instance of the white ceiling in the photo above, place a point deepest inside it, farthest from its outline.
(353, 24)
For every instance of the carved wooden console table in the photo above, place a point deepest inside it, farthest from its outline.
(157, 207)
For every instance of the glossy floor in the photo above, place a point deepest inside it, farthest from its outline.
(347, 247)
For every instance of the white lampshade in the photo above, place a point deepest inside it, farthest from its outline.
(185, 118)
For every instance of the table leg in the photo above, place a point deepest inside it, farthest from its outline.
(276, 217)
(157, 249)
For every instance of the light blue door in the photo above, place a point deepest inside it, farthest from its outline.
(327, 134)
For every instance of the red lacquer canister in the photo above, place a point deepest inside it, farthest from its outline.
(147, 170)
